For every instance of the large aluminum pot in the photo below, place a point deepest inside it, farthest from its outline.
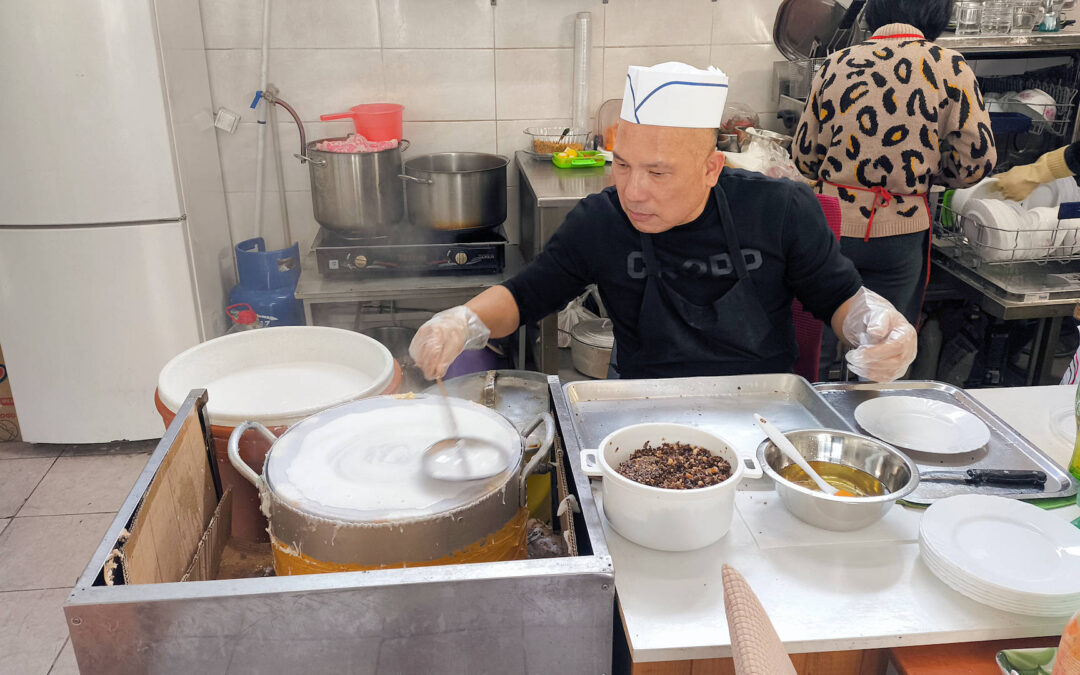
(456, 191)
(356, 194)
(659, 518)
(345, 489)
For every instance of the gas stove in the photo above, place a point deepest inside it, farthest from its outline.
(411, 251)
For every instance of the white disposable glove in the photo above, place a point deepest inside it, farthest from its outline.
(884, 341)
(444, 337)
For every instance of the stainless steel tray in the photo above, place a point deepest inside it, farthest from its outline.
(1006, 450)
(721, 405)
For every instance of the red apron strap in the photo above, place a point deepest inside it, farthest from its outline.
(882, 197)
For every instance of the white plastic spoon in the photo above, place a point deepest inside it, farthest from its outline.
(780, 440)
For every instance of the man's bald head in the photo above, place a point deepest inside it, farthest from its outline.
(663, 175)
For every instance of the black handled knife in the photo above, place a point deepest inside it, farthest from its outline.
(1001, 477)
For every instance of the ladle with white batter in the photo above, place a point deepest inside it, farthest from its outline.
(462, 458)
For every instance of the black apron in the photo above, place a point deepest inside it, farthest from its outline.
(677, 338)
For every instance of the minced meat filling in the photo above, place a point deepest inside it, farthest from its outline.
(675, 466)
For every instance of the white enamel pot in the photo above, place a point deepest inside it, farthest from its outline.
(661, 518)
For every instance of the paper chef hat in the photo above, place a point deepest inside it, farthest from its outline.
(675, 94)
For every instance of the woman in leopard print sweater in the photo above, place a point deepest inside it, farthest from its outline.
(886, 119)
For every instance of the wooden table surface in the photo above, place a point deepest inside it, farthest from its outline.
(965, 658)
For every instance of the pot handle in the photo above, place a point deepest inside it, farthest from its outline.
(545, 446)
(414, 179)
(234, 451)
(403, 144)
(590, 463)
(751, 468)
(305, 158)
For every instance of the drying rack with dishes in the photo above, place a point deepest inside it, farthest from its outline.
(1048, 106)
(982, 227)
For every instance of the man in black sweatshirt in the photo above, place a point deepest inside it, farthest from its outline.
(697, 265)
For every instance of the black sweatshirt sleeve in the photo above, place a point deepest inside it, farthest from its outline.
(562, 270)
(816, 272)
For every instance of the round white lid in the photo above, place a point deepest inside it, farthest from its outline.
(361, 461)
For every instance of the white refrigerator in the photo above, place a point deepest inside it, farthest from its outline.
(115, 252)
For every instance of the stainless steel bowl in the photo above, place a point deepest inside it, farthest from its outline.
(893, 468)
(747, 138)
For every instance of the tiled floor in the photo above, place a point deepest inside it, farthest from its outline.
(56, 502)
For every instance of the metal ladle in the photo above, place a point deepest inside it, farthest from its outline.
(462, 458)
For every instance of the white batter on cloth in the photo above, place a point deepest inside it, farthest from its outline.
(361, 461)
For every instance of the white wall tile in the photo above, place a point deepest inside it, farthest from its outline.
(301, 218)
(345, 77)
(531, 24)
(617, 60)
(532, 83)
(632, 23)
(234, 78)
(413, 24)
(750, 73)
(441, 84)
(318, 81)
(743, 21)
(338, 24)
(236, 24)
(238, 157)
(302, 223)
(428, 137)
(241, 207)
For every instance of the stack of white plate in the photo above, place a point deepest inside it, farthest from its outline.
(1004, 553)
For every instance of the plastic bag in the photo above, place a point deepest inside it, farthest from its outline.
(771, 159)
(574, 313)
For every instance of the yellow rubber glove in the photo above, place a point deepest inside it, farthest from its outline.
(1018, 182)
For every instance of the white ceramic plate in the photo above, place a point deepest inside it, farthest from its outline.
(991, 227)
(994, 597)
(981, 190)
(1005, 544)
(1039, 236)
(1063, 425)
(1044, 195)
(922, 424)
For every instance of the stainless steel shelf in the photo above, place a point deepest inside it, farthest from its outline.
(1028, 41)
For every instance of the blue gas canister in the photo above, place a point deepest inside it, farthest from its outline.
(268, 282)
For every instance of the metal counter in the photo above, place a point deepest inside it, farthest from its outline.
(1026, 41)
(547, 194)
(529, 616)
(988, 287)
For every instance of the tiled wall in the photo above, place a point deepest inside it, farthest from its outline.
(471, 75)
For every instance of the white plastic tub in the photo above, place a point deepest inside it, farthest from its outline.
(277, 376)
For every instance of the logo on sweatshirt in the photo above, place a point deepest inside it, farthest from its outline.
(715, 266)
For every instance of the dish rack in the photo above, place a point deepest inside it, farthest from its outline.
(1063, 108)
(801, 75)
(973, 243)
